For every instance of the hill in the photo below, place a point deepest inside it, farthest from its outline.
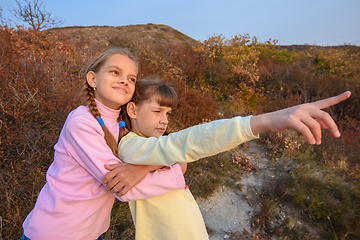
(122, 35)
(306, 47)
(147, 34)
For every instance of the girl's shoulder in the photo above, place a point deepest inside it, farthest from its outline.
(127, 137)
(80, 116)
(79, 111)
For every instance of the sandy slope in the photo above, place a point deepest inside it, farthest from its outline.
(227, 212)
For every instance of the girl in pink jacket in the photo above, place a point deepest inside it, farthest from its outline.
(74, 204)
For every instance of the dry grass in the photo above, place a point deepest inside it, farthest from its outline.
(126, 36)
(317, 197)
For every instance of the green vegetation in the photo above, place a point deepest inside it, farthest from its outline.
(319, 185)
(41, 80)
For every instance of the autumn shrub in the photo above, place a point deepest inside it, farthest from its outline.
(228, 64)
(316, 183)
(223, 169)
(320, 183)
(194, 106)
(306, 82)
(40, 85)
(327, 199)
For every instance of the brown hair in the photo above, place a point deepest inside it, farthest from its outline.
(151, 87)
(95, 66)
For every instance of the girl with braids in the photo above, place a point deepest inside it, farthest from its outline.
(175, 215)
(73, 204)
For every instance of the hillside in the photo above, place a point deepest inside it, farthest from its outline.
(305, 47)
(122, 35)
(146, 34)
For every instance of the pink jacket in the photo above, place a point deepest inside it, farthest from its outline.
(73, 204)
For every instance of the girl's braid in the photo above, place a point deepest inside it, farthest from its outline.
(90, 98)
(124, 117)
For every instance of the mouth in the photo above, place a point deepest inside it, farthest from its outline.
(161, 130)
(120, 89)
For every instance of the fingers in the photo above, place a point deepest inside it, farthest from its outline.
(116, 179)
(321, 104)
(114, 187)
(311, 122)
(309, 130)
(322, 124)
(108, 177)
(327, 122)
(114, 171)
(111, 167)
(123, 191)
(123, 177)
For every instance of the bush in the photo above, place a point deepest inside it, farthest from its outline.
(40, 85)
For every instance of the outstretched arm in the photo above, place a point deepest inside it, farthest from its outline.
(206, 139)
(217, 136)
(306, 118)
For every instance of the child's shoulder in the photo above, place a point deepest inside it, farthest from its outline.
(131, 136)
(80, 115)
(79, 111)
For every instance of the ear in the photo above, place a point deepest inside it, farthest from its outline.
(131, 110)
(91, 79)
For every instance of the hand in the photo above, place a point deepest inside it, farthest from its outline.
(124, 176)
(307, 118)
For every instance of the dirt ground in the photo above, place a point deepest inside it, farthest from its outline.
(227, 212)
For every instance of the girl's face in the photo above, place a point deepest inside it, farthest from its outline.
(148, 119)
(115, 81)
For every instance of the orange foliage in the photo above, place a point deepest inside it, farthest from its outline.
(178, 66)
(40, 84)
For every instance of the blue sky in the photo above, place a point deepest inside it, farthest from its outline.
(319, 22)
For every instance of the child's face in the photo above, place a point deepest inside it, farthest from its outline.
(115, 81)
(149, 119)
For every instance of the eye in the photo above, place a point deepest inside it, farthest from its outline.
(132, 80)
(114, 72)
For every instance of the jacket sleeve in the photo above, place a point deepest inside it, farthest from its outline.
(86, 144)
(169, 176)
(187, 145)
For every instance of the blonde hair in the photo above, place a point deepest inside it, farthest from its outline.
(151, 87)
(95, 66)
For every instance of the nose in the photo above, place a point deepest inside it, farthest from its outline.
(123, 80)
(164, 120)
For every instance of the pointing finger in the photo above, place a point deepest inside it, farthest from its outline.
(321, 104)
